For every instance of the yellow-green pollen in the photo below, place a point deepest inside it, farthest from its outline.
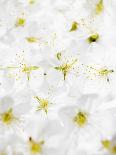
(93, 38)
(27, 69)
(43, 104)
(74, 26)
(80, 119)
(35, 147)
(99, 7)
(32, 39)
(65, 68)
(20, 22)
(7, 117)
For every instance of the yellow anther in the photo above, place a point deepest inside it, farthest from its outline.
(74, 26)
(106, 144)
(93, 38)
(20, 22)
(99, 7)
(58, 55)
(35, 147)
(105, 72)
(32, 39)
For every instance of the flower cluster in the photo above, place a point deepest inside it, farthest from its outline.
(57, 77)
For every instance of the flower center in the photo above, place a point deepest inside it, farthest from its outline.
(80, 119)
(44, 103)
(65, 68)
(35, 147)
(93, 38)
(99, 7)
(27, 69)
(8, 116)
(20, 22)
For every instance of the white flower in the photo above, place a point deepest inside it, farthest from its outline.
(13, 107)
(65, 67)
(47, 103)
(87, 118)
(22, 70)
(40, 136)
(57, 77)
(100, 73)
(108, 146)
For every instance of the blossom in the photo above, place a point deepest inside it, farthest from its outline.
(100, 73)
(41, 140)
(84, 118)
(57, 77)
(12, 111)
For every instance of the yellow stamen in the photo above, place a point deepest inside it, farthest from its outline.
(93, 38)
(74, 26)
(28, 70)
(105, 73)
(101, 72)
(20, 22)
(59, 56)
(65, 68)
(44, 103)
(8, 117)
(32, 39)
(106, 144)
(12, 67)
(80, 119)
(35, 147)
(99, 7)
